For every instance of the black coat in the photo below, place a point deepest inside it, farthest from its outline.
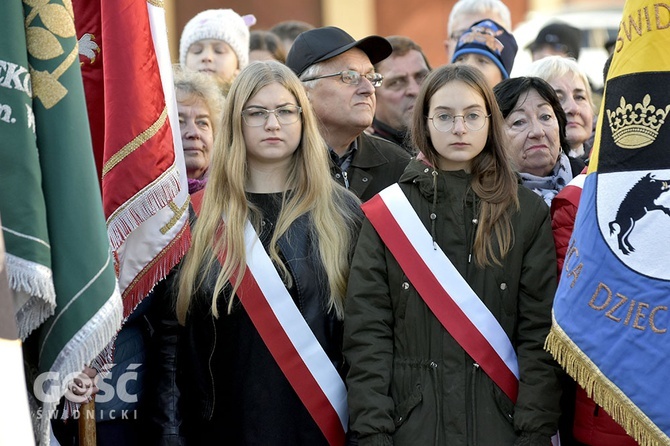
(377, 164)
(219, 383)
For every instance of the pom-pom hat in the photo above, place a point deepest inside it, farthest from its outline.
(218, 24)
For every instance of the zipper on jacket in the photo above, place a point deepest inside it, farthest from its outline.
(438, 392)
(473, 396)
(346, 179)
(472, 238)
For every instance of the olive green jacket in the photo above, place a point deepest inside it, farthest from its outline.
(377, 164)
(410, 382)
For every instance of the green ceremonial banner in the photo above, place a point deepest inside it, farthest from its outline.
(15, 425)
(21, 200)
(49, 194)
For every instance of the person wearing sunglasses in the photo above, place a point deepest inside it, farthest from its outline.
(339, 77)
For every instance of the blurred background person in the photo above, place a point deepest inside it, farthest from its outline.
(556, 39)
(404, 71)
(216, 41)
(289, 30)
(265, 45)
(573, 90)
(535, 127)
(465, 13)
(488, 46)
(199, 103)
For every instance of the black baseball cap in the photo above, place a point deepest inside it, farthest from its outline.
(562, 36)
(319, 44)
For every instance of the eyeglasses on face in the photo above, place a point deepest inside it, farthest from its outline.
(352, 77)
(444, 122)
(256, 116)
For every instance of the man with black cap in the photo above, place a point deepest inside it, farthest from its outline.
(338, 74)
(557, 39)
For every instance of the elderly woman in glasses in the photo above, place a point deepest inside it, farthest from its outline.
(265, 277)
(454, 252)
(535, 126)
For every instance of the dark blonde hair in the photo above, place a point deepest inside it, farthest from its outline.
(493, 179)
(267, 41)
(312, 189)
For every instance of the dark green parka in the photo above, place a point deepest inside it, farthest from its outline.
(410, 382)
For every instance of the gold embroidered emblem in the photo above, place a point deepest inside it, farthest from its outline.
(43, 44)
(636, 126)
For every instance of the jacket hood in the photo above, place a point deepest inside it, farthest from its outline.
(420, 173)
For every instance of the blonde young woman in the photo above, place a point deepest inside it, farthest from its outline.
(463, 230)
(270, 183)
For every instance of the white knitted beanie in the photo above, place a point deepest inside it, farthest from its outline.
(219, 24)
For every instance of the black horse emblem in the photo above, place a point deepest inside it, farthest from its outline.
(635, 205)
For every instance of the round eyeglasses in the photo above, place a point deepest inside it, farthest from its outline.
(444, 122)
(256, 117)
(352, 77)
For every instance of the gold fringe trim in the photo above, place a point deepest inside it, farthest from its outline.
(133, 145)
(157, 3)
(603, 391)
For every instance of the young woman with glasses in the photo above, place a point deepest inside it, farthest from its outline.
(451, 286)
(270, 214)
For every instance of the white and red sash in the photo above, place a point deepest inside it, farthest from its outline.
(458, 308)
(291, 342)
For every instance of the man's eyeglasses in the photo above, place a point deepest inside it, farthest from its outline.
(256, 117)
(444, 122)
(352, 77)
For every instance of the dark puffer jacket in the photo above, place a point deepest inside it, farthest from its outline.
(410, 382)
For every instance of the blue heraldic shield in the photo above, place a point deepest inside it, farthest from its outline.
(611, 311)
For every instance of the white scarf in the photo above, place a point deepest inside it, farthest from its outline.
(547, 187)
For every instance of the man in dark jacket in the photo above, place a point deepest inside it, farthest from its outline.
(338, 74)
(404, 71)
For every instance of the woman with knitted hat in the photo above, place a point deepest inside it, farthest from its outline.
(216, 41)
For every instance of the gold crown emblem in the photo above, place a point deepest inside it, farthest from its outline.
(634, 127)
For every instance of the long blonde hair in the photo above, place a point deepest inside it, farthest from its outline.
(312, 191)
(493, 179)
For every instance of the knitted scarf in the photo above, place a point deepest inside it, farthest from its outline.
(547, 187)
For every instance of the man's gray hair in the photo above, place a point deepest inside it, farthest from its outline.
(311, 71)
(483, 7)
